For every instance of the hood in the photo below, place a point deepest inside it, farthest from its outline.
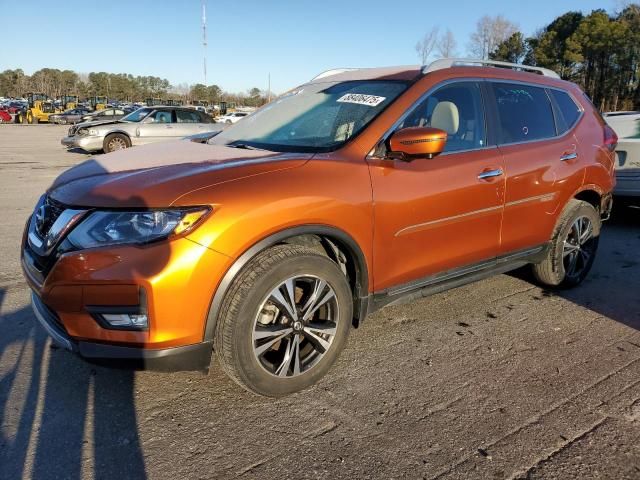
(93, 123)
(157, 175)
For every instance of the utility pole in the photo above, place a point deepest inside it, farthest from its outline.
(204, 40)
(269, 89)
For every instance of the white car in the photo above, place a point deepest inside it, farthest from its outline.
(627, 127)
(231, 117)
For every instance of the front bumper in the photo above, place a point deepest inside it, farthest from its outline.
(85, 142)
(188, 357)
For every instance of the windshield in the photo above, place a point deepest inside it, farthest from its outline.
(318, 117)
(138, 115)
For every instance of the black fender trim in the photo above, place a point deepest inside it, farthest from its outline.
(362, 272)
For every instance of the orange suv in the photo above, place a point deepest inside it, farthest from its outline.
(269, 241)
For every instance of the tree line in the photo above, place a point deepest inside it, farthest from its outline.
(119, 86)
(598, 51)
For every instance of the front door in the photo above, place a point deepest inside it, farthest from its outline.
(159, 125)
(435, 215)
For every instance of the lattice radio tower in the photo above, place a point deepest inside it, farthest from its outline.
(204, 40)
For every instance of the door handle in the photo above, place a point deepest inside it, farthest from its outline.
(490, 174)
(568, 156)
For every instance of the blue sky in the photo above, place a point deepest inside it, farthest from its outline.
(248, 39)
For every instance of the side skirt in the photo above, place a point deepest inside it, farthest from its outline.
(455, 278)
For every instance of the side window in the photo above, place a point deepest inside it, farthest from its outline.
(185, 116)
(161, 116)
(456, 109)
(524, 113)
(567, 110)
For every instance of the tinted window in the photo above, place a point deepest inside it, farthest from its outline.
(524, 113)
(185, 116)
(456, 109)
(567, 110)
(204, 118)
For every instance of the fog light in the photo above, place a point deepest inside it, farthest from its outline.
(126, 320)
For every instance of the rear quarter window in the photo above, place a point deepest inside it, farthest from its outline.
(567, 110)
(524, 113)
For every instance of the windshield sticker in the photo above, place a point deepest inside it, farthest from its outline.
(362, 99)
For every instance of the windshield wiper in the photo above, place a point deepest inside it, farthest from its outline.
(245, 146)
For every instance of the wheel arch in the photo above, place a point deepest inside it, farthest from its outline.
(327, 235)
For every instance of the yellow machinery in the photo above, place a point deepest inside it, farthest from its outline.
(38, 111)
(98, 103)
(227, 107)
(68, 102)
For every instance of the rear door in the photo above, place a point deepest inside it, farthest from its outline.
(542, 160)
(189, 122)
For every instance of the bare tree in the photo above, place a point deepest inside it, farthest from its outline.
(427, 45)
(490, 32)
(447, 45)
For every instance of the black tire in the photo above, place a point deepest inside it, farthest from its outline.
(235, 345)
(116, 141)
(558, 270)
(35, 120)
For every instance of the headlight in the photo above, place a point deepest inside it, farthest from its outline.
(116, 228)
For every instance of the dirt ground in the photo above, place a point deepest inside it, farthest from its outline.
(498, 379)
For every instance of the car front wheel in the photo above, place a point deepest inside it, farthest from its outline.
(116, 141)
(284, 321)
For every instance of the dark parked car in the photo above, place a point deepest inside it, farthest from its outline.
(70, 116)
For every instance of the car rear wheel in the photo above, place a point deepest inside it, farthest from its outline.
(573, 247)
(284, 321)
(116, 141)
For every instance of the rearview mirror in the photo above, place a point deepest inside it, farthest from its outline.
(417, 142)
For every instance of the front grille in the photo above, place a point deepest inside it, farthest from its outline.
(56, 208)
(44, 263)
(72, 131)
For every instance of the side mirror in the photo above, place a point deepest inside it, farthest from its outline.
(417, 142)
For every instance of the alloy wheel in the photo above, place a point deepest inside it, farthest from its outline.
(117, 143)
(295, 326)
(579, 247)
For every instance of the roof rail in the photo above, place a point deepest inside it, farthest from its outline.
(334, 71)
(468, 62)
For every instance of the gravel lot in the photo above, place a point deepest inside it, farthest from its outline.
(498, 379)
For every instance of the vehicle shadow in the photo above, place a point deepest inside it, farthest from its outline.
(611, 287)
(61, 417)
(52, 405)
(79, 151)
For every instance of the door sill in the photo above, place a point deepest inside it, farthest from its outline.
(457, 277)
